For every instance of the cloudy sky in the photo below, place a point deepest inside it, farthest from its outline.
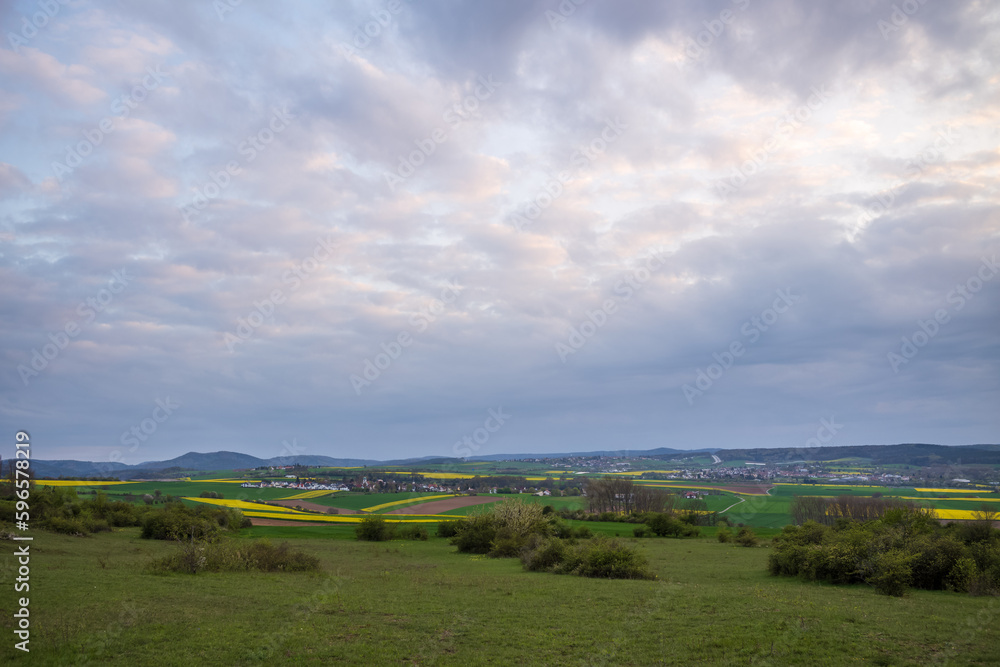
(391, 229)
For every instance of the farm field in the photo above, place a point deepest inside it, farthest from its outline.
(93, 600)
(769, 510)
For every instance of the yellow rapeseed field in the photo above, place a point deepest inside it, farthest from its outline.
(948, 490)
(309, 494)
(337, 518)
(244, 505)
(966, 515)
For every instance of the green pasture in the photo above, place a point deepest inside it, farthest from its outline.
(94, 601)
(789, 490)
(761, 511)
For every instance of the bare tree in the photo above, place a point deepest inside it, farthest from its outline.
(986, 512)
(623, 496)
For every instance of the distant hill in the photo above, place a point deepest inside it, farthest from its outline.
(210, 461)
(658, 453)
(909, 454)
(70, 468)
(918, 454)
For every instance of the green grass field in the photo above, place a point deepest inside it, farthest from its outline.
(93, 601)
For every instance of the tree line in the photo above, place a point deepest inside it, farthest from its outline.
(623, 496)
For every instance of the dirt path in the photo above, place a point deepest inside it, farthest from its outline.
(306, 505)
(438, 506)
(733, 505)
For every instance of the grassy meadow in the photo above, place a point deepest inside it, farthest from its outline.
(94, 601)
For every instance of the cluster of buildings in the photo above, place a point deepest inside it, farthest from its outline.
(285, 484)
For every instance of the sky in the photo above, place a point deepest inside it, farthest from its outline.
(396, 229)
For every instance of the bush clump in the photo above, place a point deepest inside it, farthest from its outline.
(449, 528)
(666, 525)
(374, 528)
(600, 557)
(902, 549)
(504, 529)
(412, 531)
(180, 522)
(236, 556)
(746, 537)
(60, 510)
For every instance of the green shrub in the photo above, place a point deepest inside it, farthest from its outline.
(665, 525)
(962, 574)
(476, 535)
(502, 531)
(891, 572)
(449, 528)
(95, 525)
(411, 531)
(746, 537)
(542, 553)
(935, 558)
(374, 528)
(236, 556)
(606, 558)
(583, 532)
(7, 510)
(598, 557)
(641, 531)
(179, 522)
(65, 526)
(506, 544)
(559, 528)
(724, 535)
